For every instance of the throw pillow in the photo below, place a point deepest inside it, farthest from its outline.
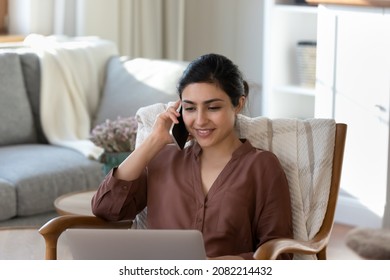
(17, 125)
(134, 83)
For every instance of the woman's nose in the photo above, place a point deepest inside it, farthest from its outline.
(201, 117)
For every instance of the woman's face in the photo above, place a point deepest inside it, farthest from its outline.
(208, 114)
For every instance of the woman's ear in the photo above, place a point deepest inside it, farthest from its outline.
(241, 104)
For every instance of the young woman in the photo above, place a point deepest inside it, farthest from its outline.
(235, 194)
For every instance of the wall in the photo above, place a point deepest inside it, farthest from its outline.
(232, 28)
(25, 17)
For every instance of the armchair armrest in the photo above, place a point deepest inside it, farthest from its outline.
(52, 230)
(271, 249)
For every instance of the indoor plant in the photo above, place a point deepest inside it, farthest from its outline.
(117, 138)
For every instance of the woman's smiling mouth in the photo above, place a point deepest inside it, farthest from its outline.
(204, 132)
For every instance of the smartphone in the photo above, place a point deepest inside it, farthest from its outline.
(179, 132)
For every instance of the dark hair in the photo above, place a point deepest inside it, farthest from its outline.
(219, 70)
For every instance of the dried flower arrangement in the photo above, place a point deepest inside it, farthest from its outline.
(116, 135)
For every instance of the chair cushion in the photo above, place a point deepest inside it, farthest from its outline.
(40, 173)
(135, 83)
(17, 125)
(302, 147)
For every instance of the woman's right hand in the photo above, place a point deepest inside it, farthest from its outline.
(133, 166)
(163, 123)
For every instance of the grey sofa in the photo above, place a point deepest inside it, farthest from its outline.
(33, 173)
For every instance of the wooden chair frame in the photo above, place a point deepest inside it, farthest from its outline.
(270, 250)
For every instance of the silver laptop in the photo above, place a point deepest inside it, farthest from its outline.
(135, 244)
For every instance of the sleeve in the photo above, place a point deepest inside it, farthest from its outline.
(274, 204)
(117, 199)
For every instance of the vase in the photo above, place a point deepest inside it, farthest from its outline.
(112, 159)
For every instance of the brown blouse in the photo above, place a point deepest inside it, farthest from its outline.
(248, 204)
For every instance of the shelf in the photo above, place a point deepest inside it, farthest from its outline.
(376, 3)
(287, 24)
(294, 89)
(297, 8)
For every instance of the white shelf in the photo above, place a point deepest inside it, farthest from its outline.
(285, 24)
(296, 8)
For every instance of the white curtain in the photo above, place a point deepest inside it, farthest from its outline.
(152, 28)
(140, 28)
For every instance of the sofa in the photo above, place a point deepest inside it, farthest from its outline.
(33, 170)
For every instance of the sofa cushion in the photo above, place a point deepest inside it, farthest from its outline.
(32, 79)
(131, 84)
(17, 125)
(40, 173)
(7, 200)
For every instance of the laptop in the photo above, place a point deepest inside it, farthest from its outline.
(135, 244)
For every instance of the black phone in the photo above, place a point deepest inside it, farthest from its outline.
(179, 132)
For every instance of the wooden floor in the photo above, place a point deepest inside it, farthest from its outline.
(337, 249)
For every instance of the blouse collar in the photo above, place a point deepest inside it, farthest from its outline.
(243, 149)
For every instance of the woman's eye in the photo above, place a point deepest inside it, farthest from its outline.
(214, 108)
(189, 109)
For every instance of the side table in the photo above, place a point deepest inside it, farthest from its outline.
(76, 203)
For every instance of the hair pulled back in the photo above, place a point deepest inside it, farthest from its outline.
(215, 69)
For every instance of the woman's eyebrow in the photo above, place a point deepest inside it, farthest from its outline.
(204, 102)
